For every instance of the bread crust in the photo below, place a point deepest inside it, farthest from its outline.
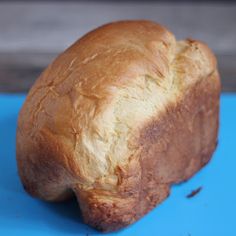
(173, 148)
(168, 147)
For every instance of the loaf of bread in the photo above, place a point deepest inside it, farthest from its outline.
(116, 119)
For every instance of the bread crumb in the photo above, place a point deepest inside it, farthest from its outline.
(194, 192)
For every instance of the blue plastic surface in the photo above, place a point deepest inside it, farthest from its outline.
(211, 212)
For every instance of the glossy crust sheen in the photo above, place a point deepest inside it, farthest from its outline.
(116, 119)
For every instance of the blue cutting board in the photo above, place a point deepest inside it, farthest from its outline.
(211, 212)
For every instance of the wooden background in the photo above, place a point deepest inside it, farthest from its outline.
(32, 34)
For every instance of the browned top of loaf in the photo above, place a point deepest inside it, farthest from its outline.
(94, 97)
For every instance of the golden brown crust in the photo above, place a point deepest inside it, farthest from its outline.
(172, 149)
(117, 118)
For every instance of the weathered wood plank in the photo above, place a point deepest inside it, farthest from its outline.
(32, 34)
(51, 27)
(19, 71)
